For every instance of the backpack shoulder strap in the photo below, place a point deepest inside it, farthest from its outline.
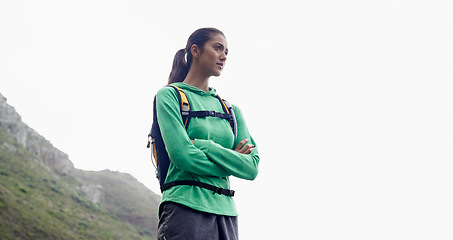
(228, 109)
(185, 105)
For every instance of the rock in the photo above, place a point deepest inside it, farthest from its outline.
(92, 191)
(11, 123)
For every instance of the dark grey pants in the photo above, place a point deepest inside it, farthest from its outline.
(177, 221)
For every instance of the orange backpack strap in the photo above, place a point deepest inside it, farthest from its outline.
(185, 105)
(228, 108)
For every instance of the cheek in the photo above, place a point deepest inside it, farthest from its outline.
(212, 56)
(209, 60)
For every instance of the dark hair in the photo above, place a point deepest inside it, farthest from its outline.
(180, 66)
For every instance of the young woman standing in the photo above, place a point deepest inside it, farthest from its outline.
(207, 151)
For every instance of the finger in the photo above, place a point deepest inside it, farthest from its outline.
(240, 145)
(250, 148)
(247, 149)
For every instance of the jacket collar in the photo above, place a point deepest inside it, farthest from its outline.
(196, 90)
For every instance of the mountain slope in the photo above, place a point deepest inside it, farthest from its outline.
(42, 195)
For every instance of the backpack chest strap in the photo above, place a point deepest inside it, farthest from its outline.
(202, 114)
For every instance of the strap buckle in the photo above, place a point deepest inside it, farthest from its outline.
(150, 140)
(223, 191)
(218, 190)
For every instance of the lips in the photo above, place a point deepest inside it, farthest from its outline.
(220, 65)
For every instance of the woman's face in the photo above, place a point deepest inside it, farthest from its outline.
(213, 56)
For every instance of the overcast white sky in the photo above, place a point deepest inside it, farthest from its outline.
(351, 102)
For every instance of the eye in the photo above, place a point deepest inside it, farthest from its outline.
(219, 48)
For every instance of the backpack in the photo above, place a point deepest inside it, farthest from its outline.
(159, 155)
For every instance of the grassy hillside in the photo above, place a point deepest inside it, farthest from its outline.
(37, 203)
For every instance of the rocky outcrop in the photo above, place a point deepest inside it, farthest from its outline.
(11, 122)
(92, 191)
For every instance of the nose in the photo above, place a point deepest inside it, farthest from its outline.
(223, 56)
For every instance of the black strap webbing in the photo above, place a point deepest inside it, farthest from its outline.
(215, 189)
(201, 114)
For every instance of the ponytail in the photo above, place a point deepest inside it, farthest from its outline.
(181, 67)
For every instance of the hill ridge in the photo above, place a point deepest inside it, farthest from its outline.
(42, 195)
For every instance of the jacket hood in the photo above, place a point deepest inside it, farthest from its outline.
(196, 90)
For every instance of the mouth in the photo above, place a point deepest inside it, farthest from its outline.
(220, 65)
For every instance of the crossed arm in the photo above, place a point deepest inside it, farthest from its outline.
(242, 147)
(201, 156)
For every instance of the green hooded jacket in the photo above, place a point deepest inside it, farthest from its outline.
(211, 158)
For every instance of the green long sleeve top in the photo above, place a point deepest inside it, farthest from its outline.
(211, 158)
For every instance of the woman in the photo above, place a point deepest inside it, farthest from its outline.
(207, 151)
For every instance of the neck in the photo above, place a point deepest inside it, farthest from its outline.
(197, 80)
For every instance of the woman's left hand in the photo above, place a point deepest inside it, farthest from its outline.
(244, 148)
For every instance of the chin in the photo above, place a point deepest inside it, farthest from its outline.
(216, 74)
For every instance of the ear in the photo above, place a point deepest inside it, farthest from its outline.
(195, 50)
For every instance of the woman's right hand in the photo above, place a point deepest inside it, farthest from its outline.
(244, 148)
